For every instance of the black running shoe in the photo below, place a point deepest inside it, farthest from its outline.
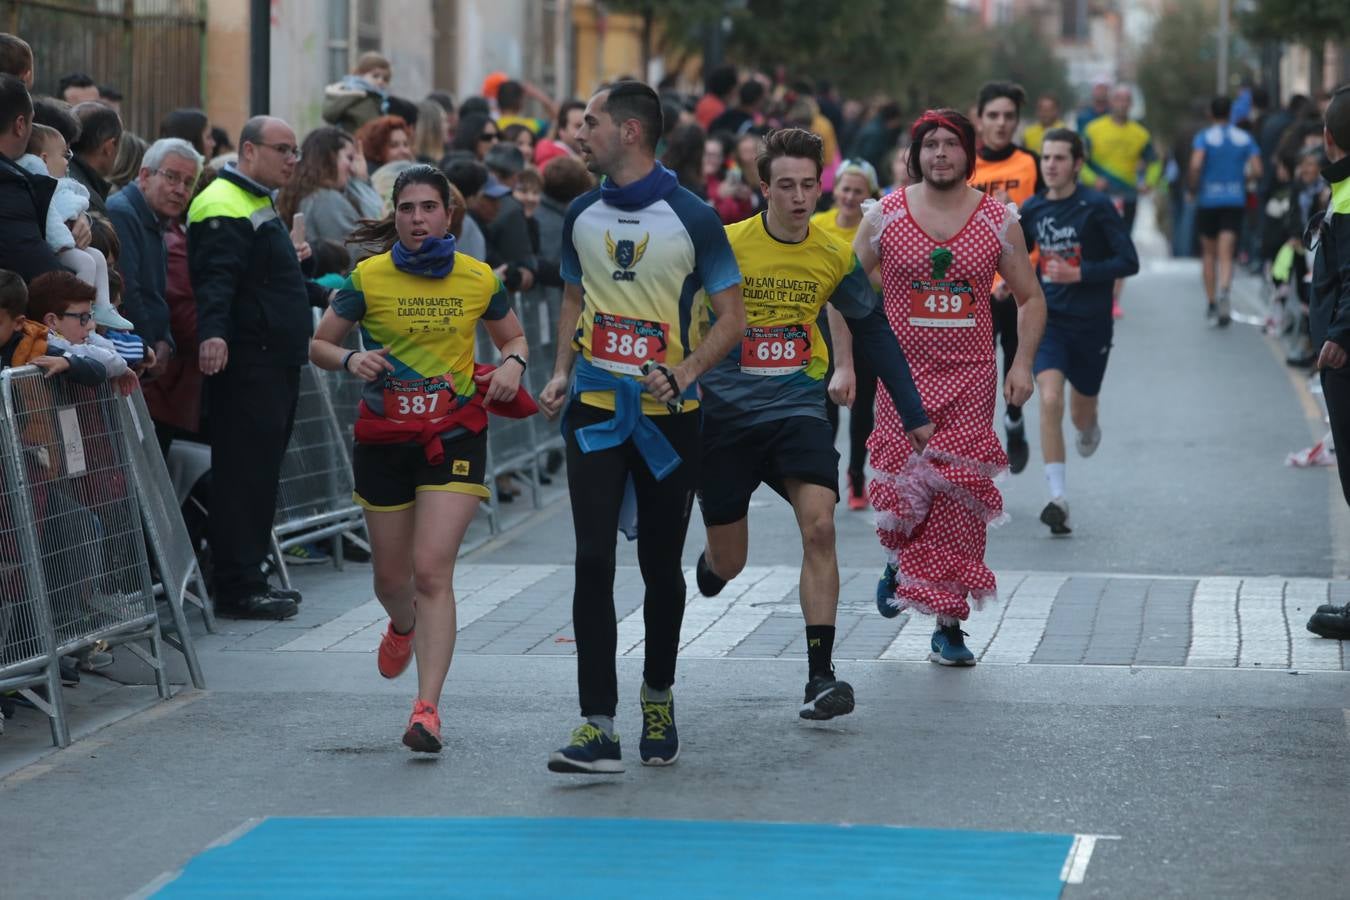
(826, 697)
(1019, 452)
(709, 585)
(1334, 625)
(1056, 515)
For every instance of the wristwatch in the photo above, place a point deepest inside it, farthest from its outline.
(518, 358)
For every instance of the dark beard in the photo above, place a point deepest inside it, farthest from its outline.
(944, 186)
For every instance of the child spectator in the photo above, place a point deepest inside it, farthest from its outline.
(64, 305)
(528, 191)
(331, 263)
(361, 96)
(24, 342)
(127, 343)
(49, 155)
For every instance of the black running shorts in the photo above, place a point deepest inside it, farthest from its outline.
(736, 460)
(389, 476)
(1211, 220)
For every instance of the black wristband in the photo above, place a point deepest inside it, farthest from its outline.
(518, 358)
(348, 358)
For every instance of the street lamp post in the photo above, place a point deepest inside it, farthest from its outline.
(1223, 49)
(260, 57)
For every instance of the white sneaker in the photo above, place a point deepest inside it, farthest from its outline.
(1089, 440)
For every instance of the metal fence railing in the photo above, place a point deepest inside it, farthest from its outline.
(74, 510)
(314, 496)
(178, 580)
(27, 642)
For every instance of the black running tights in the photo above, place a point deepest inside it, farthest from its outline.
(1005, 332)
(596, 484)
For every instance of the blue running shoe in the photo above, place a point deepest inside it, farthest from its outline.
(589, 752)
(309, 554)
(660, 744)
(949, 647)
(885, 591)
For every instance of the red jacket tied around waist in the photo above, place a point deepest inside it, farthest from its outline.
(471, 416)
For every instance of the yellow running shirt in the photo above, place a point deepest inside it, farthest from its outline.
(428, 326)
(779, 367)
(1116, 152)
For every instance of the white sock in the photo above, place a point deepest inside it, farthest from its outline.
(1054, 479)
(90, 267)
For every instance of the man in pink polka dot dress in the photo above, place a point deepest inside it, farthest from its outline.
(939, 244)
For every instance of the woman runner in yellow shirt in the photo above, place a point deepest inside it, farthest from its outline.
(421, 439)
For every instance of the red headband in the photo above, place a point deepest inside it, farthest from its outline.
(938, 120)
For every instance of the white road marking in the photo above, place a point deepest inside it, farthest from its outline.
(1235, 622)
(1080, 854)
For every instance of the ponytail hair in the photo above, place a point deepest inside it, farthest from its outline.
(381, 232)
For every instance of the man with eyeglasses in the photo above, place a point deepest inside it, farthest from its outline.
(139, 213)
(253, 320)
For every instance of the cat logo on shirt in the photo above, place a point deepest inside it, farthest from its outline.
(626, 255)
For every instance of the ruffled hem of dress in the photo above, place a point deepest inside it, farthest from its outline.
(918, 482)
(978, 599)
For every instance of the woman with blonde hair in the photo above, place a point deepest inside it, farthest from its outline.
(127, 166)
(429, 134)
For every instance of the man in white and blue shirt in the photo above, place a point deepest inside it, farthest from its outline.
(645, 262)
(1223, 157)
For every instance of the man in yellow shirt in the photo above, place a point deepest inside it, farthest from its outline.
(1118, 149)
(511, 101)
(1047, 119)
(764, 416)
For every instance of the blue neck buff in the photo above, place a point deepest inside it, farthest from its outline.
(434, 259)
(653, 186)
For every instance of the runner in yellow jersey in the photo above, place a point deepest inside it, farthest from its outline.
(1119, 150)
(764, 403)
(854, 181)
(421, 444)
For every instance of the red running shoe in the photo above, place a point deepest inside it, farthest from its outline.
(856, 500)
(396, 652)
(424, 729)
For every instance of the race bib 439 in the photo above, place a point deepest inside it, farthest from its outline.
(941, 304)
(621, 345)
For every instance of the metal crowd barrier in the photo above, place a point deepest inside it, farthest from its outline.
(314, 496)
(180, 580)
(76, 550)
(27, 640)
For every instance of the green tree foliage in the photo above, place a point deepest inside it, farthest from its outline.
(915, 50)
(1177, 68)
(1305, 21)
(1021, 54)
